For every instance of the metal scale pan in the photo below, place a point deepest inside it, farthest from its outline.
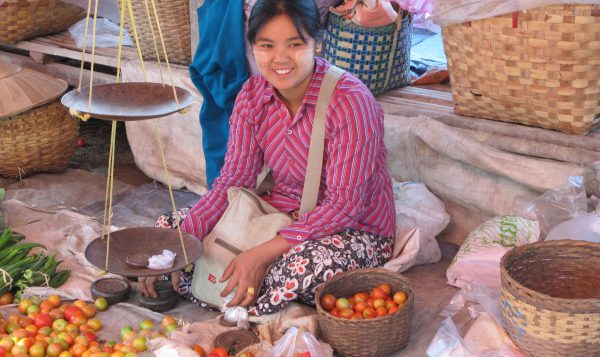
(128, 101)
(142, 241)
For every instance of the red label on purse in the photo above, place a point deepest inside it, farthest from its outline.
(212, 278)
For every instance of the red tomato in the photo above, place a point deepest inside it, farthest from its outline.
(42, 320)
(378, 293)
(342, 303)
(369, 313)
(303, 354)
(71, 311)
(386, 288)
(346, 313)
(360, 297)
(218, 352)
(2, 351)
(328, 302)
(400, 297)
(335, 312)
(360, 306)
(381, 311)
(5, 299)
(356, 316)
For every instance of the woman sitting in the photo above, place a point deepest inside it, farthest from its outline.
(353, 223)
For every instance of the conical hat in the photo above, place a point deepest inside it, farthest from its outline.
(22, 89)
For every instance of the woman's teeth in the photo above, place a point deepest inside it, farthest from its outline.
(282, 71)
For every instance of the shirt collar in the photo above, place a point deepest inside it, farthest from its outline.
(312, 92)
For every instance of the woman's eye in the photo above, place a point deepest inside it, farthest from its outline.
(296, 44)
(265, 45)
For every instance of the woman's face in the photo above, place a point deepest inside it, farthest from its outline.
(283, 58)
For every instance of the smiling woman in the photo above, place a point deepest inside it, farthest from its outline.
(353, 222)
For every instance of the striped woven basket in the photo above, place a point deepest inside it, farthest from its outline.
(23, 19)
(174, 19)
(538, 67)
(551, 297)
(378, 56)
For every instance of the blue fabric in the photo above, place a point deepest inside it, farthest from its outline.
(218, 71)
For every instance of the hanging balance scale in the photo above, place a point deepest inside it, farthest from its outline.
(126, 252)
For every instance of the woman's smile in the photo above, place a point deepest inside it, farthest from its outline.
(283, 71)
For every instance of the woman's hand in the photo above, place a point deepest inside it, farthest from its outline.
(247, 271)
(147, 284)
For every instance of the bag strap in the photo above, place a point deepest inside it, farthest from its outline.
(314, 167)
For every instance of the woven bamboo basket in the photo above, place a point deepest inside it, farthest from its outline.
(36, 132)
(370, 337)
(551, 297)
(23, 19)
(538, 67)
(174, 19)
(378, 56)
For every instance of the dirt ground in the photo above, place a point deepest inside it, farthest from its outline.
(92, 152)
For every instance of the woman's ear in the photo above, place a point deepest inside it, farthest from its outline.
(318, 47)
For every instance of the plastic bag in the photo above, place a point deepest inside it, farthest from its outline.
(420, 217)
(448, 12)
(415, 6)
(296, 343)
(556, 206)
(484, 337)
(235, 314)
(581, 228)
(107, 34)
(417, 207)
(478, 259)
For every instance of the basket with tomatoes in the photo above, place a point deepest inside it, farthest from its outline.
(374, 305)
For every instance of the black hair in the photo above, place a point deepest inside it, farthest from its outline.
(303, 13)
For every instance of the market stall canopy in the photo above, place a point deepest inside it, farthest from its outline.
(22, 89)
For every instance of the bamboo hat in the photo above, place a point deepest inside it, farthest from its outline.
(22, 89)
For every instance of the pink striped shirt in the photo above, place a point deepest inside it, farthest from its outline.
(356, 189)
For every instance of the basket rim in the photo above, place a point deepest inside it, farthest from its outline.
(349, 24)
(505, 276)
(408, 304)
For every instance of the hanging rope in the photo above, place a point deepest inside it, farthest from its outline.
(126, 4)
(164, 48)
(87, 20)
(111, 154)
(154, 42)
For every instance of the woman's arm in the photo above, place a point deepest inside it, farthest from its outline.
(243, 162)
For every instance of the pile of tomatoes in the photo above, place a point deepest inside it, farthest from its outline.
(55, 328)
(365, 305)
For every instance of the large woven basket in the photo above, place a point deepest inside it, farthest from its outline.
(174, 19)
(36, 132)
(551, 297)
(538, 67)
(23, 19)
(378, 56)
(371, 337)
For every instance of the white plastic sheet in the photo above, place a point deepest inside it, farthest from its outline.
(449, 12)
(107, 34)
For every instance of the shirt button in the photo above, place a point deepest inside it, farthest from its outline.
(298, 237)
(290, 132)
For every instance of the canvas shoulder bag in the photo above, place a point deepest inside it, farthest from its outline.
(249, 221)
